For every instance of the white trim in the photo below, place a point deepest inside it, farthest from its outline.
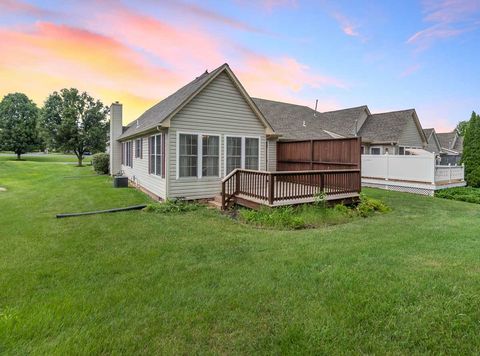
(199, 155)
(162, 175)
(243, 137)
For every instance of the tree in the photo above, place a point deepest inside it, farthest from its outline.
(74, 121)
(462, 127)
(18, 124)
(471, 151)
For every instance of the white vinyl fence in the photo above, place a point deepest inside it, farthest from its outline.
(409, 169)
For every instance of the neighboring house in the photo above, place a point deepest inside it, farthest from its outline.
(183, 146)
(452, 146)
(390, 132)
(433, 145)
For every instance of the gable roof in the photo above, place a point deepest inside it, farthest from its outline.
(293, 122)
(432, 138)
(451, 141)
(165, 109)
(428, 133)
(343, 121)
(389, 126)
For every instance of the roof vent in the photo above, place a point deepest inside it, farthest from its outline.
(316, 104)
(138, 124)
(304, 124)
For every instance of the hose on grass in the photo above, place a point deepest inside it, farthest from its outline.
(134, 207)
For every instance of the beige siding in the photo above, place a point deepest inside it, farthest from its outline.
(139, 172)
(411, 136)
(218, 109)
(432, 145)
(271, 155)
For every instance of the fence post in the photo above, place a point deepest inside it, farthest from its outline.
(237, 182)
(223, 195)
(271, 187)
(388, 166)
(449, 173)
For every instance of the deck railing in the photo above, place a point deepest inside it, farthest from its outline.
(271, 187)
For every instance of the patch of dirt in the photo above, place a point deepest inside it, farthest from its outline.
(2, 189)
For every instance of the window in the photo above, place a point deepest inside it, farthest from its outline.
(156, 155)
(401, 150)
(210, 156)
(242, 152)
(188, 155)
(127, 154)
(362, 150)
(139, 148)
(375, 150)
(234, 153)
(251, 153)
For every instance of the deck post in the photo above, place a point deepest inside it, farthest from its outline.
(271, 187)
(223, 195)
(237, 182)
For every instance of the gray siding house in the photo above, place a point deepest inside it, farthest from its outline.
(183, 146)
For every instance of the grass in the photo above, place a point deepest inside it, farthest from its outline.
(51, 157)
(467, 194)
(406, 282)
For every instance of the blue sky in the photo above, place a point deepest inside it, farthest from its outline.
(389, 55)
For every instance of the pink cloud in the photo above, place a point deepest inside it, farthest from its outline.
(410, 70)
(209, 15)
(17, 6)
(449, 18)
(270, 5)
(347, 26)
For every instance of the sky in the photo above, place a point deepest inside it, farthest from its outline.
(387, 54)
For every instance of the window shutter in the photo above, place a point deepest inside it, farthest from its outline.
(131, 154)
(123, 153)
(163, 155)
(141, 148)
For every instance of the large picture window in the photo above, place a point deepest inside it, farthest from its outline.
(198, 155)
(156, 155)
(242, 152)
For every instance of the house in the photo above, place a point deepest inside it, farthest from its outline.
(183, 146)
(210, 139)
(433, 144)
(452, 147)
(390, 132)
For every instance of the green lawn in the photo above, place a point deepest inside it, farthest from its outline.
(51, 157)
(143, 283)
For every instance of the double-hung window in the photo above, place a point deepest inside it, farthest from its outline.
(127, 154)
(156, 155)
(139, 148)
(375, 150)
(198, 155)
(242, 152)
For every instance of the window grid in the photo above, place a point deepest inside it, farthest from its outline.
(156, 155)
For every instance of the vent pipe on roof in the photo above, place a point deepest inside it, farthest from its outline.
(316, 104)
(356, 128)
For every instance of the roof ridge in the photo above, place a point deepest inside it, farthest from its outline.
(391, 112)
(283, 102)
(353, 107)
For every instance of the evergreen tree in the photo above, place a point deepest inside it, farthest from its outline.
(471, 151)
(18, 124)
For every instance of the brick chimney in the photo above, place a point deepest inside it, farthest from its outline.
(115, 131)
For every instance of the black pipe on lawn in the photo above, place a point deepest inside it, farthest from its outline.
(134, 207)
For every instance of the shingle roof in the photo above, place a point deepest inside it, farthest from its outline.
(342, 121)
(447, 140)
(385, 127)
(293, 122)
(160, 111)
(428, 132)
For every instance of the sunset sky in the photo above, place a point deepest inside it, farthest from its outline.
(389, 55)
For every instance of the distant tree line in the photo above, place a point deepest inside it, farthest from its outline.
(69, 121)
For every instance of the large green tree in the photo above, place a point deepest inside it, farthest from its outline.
(18, 124)
(74, 121)
(471, 151)
(462, 127)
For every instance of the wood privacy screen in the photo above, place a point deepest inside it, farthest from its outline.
(339, 153)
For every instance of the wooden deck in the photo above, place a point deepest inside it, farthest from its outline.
(257, 188)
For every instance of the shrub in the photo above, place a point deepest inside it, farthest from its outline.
(281, 217)
(171, 206)
(466, 194)
(368, 206)
(101, 162)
